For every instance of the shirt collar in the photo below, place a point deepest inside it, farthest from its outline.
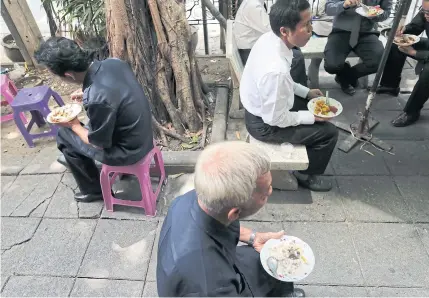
(283, 49)
(90, 74)
(227, 235)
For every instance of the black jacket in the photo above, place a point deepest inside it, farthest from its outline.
(416, 27)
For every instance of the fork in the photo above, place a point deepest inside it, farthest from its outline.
(327, 98)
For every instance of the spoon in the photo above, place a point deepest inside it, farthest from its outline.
(272, 264)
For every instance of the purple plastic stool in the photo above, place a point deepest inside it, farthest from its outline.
(142, 171)
(36, 101)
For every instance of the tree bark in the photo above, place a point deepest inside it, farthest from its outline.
(153, 36)
(52, 25)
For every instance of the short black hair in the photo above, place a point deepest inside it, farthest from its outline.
(287, 13)
(61, 55)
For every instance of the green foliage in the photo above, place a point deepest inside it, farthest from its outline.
(85, 18)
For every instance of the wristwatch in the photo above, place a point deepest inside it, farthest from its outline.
(252, 238)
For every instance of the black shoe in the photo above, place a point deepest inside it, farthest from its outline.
(296, 293)
(315, 183)
(405, 119)
(88, 198)
(388, 90)
(346, 87)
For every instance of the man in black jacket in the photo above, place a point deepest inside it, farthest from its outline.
(395, 62)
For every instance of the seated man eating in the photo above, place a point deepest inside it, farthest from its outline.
(276, 107)
(197, 251)
(251, 21)
(120, 127)
(353, 32)
(395, 62)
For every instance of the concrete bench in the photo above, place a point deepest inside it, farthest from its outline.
(281, 164)
(314, 50)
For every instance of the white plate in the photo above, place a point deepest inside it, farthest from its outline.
(72, 109)
(360, 10)
(312, 104)
(416, 40)
(302, 271)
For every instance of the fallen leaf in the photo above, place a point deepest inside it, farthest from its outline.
(175, 175)
(186, 146)
(237, 133)
(213, 61)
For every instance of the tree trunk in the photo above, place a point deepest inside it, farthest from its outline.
(154, 37)
(52, 25)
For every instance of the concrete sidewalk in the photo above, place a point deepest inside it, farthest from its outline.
(370, 234)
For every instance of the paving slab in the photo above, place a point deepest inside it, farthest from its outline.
(86, 287)
(372, 199)
(45, 162)
(15, 231)
(333, 291)
(411, 158)
(302, 205)
(13, 165)
(236, 130)
(397, 292)
(57, 248)
(423, 231)
(62, 204)
(6, 181)
(69, 181)
(329, 241)
(37, 286)
(119, 250)
(150, 289)
(415, 190)
(391, 254)
(29, 195)
(385, 131)
(151, 272)
(358, 162)
(4, 280)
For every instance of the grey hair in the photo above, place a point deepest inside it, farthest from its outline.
(226, 174)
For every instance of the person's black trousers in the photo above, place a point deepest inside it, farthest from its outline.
(258, 280)
(319, 138)
(369, 48)
(297, 70)
(80, 158)
(392, 76)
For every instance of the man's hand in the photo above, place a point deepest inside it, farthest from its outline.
(318, 119)
(71, 123)
(408, 50)
(400, 30)
(313, 93)
(350, 3)
(77, 96)
(261, 238)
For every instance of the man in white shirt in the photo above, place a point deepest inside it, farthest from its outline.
(251, 21)
(276, 106)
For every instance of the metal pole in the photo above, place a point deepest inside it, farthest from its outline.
(399, 17)
(205, 31)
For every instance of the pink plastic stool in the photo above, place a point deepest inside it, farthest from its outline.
(9, 91)
(142, 171)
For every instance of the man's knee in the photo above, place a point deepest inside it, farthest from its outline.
(333, 65)
(330, 131)
(373, 61)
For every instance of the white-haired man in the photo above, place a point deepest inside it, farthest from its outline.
(197, 252)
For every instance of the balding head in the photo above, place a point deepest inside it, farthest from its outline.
(229, 175)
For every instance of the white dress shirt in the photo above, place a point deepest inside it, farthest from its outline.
(251, 21)
(267, 89)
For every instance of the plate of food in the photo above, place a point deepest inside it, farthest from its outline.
(406, 40)
(64, 114)
(369, 11)
(287, 259)
(325, 107)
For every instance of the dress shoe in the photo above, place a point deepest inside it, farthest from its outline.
(346, 87)
(88, 198)
(314, 183)
(296, 293)
(388, 90)
(405, 119)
